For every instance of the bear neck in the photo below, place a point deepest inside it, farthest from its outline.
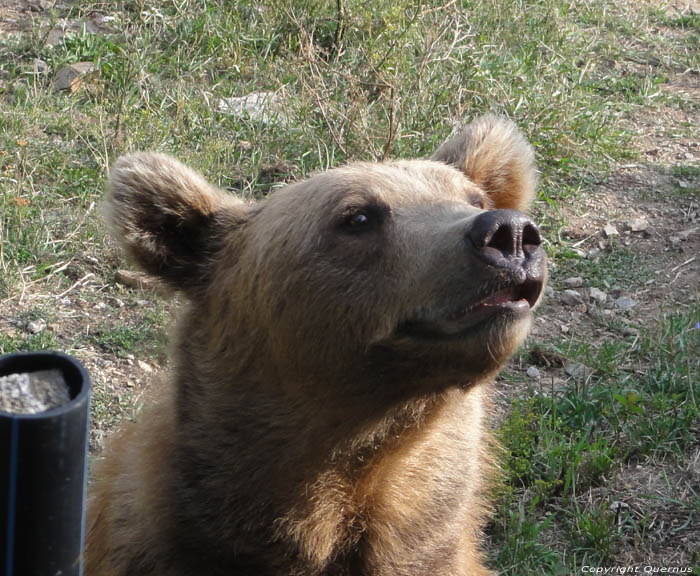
(226, 472)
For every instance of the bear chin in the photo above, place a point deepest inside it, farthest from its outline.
(419, 352)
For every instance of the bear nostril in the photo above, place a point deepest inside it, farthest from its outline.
(531, 238)
(502, 239)
(501, 236)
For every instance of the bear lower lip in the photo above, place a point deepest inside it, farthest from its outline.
(514, 302)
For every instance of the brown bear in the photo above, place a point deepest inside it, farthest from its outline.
(325, 409)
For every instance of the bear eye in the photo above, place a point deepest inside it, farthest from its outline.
(357, 221)
(362, 218)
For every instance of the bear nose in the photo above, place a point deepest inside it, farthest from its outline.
(500, 236)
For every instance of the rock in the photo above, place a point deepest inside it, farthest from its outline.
(70, 77)
(53, 327)
(610, 230)
(637, 224)
(571, 298)
(96, 24)
(548, 291)
(145, 367)
(38, 5)
(683, 184)
(597, 295)
(263, 107)
(40, 67)
(574, 282)
(578, 370)
(593, 253)
(533, 372)
(625, 303)
(683, 236)
(36, 326)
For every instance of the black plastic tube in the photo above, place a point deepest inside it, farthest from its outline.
(43, 476)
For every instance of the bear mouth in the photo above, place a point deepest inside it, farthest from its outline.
(509, 303)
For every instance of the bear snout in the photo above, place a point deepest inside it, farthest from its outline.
(507, 239)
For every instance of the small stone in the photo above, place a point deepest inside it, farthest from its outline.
(683, 184)
(548, 291)
(625, 303)
(533, 372)
(145, 367)
(574, 282)
(571, 298)
(40, 67)
(683, 236)
(264, 107)
(39, 5)
(597, 295)
(610, 230)
(70, 77)
(577, 370)
(637, 224)
(36, 326)
(53, 327)
(593, 253)
(630, 331)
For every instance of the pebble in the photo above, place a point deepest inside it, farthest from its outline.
(40, 67)
(597, 295)
(548, 291)
(70, 77)
(577, 370)
(571, 298)
(610, 230)
(533, 372)
(625, 303)
(263, 107)
(36, 326)
(145, 367)
(637, 224)
(574, 282)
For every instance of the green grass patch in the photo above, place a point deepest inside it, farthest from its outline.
(142, 336)
(639, 405)
(43, 340)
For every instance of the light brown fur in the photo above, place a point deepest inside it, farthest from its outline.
(302, 432)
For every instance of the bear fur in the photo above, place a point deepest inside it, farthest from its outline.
(307, 427)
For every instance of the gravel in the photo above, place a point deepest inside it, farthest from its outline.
(33, 392)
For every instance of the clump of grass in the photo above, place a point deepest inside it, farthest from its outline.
(143, 336)
(43, 340)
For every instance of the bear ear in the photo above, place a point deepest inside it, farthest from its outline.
(494, 155)
(170, 220)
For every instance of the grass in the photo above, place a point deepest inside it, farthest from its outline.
(566, 449)
(144, 335)
(394, 83)
(371, 82)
